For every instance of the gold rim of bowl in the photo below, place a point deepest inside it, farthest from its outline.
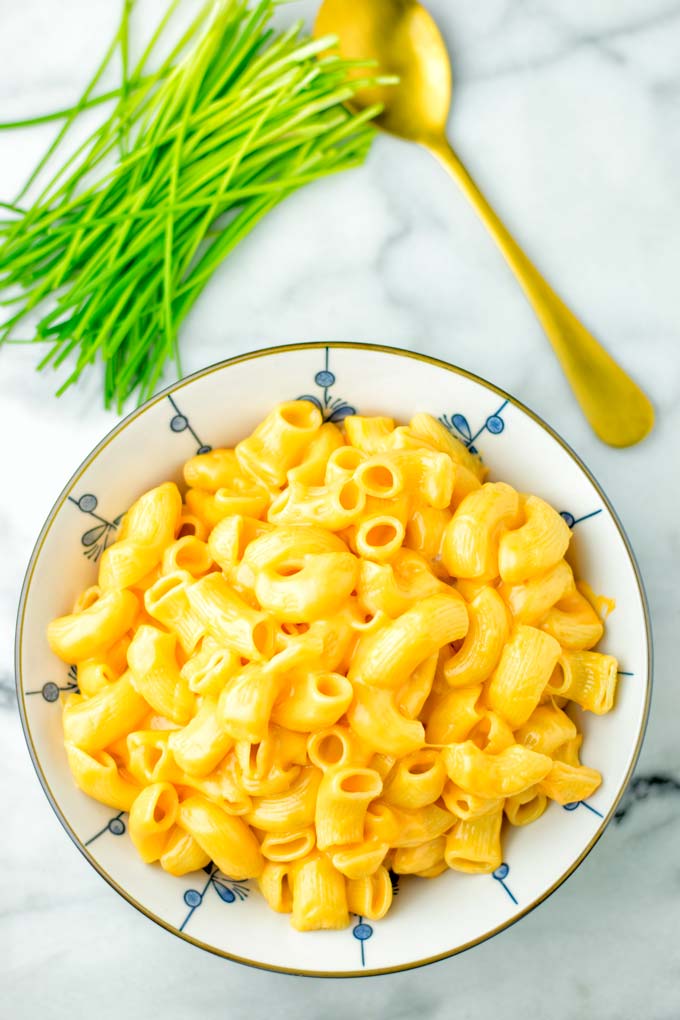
(120, 427)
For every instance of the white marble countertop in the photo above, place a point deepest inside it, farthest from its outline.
(569, 115)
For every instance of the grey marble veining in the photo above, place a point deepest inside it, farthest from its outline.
(569, 117)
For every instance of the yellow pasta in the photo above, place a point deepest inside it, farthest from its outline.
(491, 734)
(313, 701)
(283, 546)
(440, 438)
(343, 797)
(387, 657)
(187, 553)
(149, 758)
(309, 588)
(425, 530)
(212, 470)
(182, 854)
(427, 475)
(470, 587)
(292, 809)
(313, 467)
(328, 642)
(333, 653)
(536, 546)
(97, 775)
(370, 896)
(156, 676)
(279, 442)
(200, 745)
(382, 763)
(568, 783)
(494, 775)
(421, 825)
(343, 462)
(468, 805)
(472, 537)
(379, 538)
(573, 622)
(525, 667)
(288, 846)
(368, 434)
(569, 751)
(336, 745)
(221, 786)
(93, 630)
(452, 714)
(412, 860)
(546, 729)
(94, 675)
(272, 765)
(228, 540)
(116, 656)
(411, 696)
(464, 482)
(209, 668)
(380, 476)
(588, 678)
(530, 602)
(189, 524)
(245, 705)
(167, 601)
(86, 598)
(430, 477)
(360, 859)
(230, 620)
(275, 883)
(152, 815)
(227, 840)
(244, 496)
(433, 872)
(147, 528)
(94, 723)
(334, 506)
(416, 780)
(319, 895)
(486, 636)
(474, 844)
(527, 806)
(376, 720)
(392, 588)
(381, 824)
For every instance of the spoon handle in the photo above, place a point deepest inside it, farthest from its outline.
(617, 409)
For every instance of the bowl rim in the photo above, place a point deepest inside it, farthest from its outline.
(92, 456)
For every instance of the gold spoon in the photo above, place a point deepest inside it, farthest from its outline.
(404, 40)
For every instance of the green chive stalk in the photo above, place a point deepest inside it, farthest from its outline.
(116, 247)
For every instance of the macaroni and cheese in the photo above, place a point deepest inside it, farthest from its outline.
(335, 655)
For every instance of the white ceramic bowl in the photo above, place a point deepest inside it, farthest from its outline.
(430, 919)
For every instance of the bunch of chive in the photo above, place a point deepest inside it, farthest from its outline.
(117, 246)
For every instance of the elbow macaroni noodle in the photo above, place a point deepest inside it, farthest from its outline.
(361, 659)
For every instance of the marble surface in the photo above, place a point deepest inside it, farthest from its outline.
(569, 116)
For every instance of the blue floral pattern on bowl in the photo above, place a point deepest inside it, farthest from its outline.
(500, 874)
(115, 826)
(333, 409)
(51, 691)
(458, 426)
(228, 890)
(180, 423)
(95, 539)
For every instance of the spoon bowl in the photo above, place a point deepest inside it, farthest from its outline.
(404, 40)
